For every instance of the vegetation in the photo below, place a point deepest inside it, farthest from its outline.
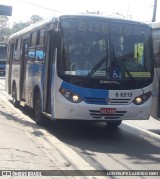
(6, 30)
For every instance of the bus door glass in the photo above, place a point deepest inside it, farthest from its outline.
(49, 63)
(25, 47)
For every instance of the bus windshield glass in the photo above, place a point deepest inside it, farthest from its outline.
(3, 52)
(104, 49)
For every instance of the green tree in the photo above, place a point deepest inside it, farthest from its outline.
(3, 22)
(17, 26)
(4, 28)
(35, 18)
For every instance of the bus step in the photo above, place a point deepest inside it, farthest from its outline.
(47, 114)
(22, 103)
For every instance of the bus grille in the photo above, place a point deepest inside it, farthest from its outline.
(2, 68)
(97, 114)
(104, 101)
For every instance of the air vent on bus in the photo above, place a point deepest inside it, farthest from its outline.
(104, 101)
(97, 114)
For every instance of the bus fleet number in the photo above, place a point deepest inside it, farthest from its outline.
(123, 94)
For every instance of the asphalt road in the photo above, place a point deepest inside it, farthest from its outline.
(68, 145)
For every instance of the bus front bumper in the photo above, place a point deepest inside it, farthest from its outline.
(64, 109)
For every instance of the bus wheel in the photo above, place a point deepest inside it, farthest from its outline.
(37, 109)
(113, 124)
(14, 96)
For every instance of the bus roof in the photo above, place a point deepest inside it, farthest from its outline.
(53, 19)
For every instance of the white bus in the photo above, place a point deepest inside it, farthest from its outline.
(82, 67)
(156, 82)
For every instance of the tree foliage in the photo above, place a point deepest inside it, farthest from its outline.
(4, 28)
(6, 31)
(35, 18)
(17, 26)
(3, 22)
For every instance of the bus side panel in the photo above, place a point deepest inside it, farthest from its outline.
(15, 78)
(8, 84)
(8, 76)
(155, 92)
(13, 69)
(53, 92)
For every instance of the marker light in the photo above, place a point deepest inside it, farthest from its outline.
(142, 98)
(74, 98)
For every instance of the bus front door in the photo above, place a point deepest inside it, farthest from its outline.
(49, 61)
(25, 46)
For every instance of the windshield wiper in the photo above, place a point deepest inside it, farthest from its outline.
(95, 68)
(98, 65)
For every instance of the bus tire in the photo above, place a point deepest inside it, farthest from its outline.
(14, 96)
(38, 109)
(113, 124)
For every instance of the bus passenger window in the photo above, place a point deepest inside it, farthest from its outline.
(39, 54)
(14, 54)
(33, 39)
(17, 50)
(18, 44)
(31, 55)
(41, 37)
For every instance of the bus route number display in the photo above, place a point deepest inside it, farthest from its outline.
(94, 27)
(124, 94)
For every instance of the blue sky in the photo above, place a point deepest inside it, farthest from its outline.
(141, 10)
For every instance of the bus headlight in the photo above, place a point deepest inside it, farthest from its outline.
(74, 98)
(142, 98)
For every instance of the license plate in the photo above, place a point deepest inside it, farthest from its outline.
(108, 110)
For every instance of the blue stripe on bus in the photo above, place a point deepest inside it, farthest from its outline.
(92, 96)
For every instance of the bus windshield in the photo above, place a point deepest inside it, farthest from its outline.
(3, 52)
(104, 50)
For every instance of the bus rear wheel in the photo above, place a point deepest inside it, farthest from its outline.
(14, 96)
(38, 109)
(113, 124)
